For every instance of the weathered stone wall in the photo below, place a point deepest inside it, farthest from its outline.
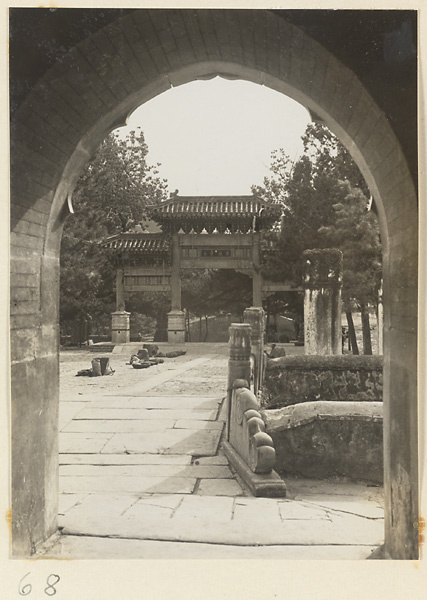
(327, 439)
(294, 379)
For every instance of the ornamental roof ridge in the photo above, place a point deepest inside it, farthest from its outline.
(134, 235)
(212, 207)
(209, 197)
(176, 198)
(140, 243)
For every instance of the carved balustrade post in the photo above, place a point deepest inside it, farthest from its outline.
(255, 317)
(248, 446)
(239, 362)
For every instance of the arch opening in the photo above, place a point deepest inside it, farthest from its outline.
(360, 125)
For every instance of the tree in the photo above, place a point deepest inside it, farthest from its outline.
(310, 192)
(115, 193)
(356, 233)
(154, 305)
(212, 292)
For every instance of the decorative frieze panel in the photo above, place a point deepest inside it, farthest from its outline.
(149, 283)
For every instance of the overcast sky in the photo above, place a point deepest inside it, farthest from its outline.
(216, 137)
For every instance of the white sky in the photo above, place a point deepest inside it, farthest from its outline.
(216, 137)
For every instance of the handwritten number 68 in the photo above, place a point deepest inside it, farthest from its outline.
(50, 589)
(26, 589)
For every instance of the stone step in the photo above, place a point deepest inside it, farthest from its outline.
(219, 520)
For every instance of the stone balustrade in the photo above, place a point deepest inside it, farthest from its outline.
(247, 430)
(248, 447)
(255, 317)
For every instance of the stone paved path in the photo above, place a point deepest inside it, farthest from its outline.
(142, 475)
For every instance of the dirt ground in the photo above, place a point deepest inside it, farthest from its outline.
(208, 378)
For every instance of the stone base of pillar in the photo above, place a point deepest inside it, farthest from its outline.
(120, 327)
(176, 327)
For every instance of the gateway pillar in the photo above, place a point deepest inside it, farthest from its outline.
(256, 273)
(120, 319)
(176, 317)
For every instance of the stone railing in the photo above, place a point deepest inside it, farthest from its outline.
(255, 317)
(249, 449)
(247, 430)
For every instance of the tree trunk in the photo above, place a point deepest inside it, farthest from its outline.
(200, 329)
(188, 326)
(76, 332)
(161, 333)
(351, 332)
(366, 329)
(206, 332)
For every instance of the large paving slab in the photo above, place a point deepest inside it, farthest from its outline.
(132, 484)
(103, 504)
(223, 520)
(82, 442)
(359, 508)
(194, 424)
(219, 487)
(194, 471)
(68, 411)
(118, 425)
(80, 547)
(68, 501)
(127, 459)
(172, 441)
(143, 413)
(157, 402)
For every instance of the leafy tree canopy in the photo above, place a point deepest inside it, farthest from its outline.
(115, 193)
(324, 201)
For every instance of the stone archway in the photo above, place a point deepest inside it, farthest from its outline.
(88, 93)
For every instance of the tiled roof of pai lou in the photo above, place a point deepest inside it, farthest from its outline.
(154, 247)
(192, 214)
(222, 214)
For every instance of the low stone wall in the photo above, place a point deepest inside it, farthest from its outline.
(326, 439)
(295, 379)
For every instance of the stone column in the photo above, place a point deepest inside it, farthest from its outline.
(176, 317)
(120, 290)
(255, 317)
(256, 271)
(322, 301)
(120, 320)
(239, 362)
(380, 321)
